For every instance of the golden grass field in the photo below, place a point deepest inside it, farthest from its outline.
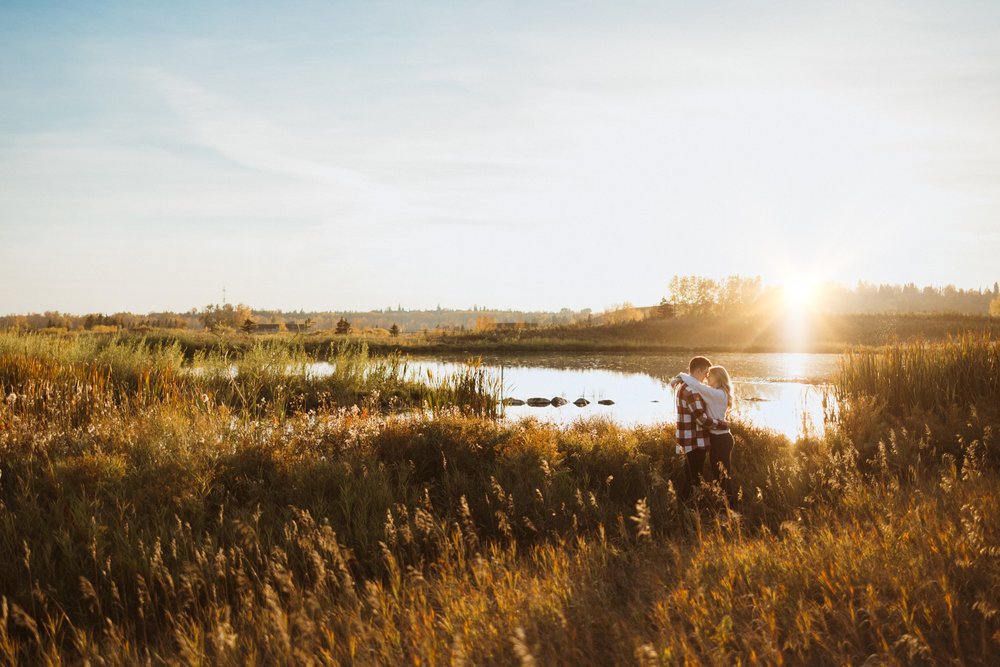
(152, 514)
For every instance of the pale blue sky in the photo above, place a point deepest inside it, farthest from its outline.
(539, 154)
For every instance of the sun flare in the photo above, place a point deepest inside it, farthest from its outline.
(798, 295)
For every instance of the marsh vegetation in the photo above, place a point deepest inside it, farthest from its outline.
(271, 516)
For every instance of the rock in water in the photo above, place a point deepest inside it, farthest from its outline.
(605, 401)
(539, 402)
(559, 401)
(580, 402)
(513, 401)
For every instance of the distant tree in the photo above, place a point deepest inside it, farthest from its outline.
(737, 293)
(995, 307)
(694, 295)
(17, 322)
(484, 323)
(166, 321)
(665, 310)
(394, 330)
(225, 316)
(343, 327)
(56, 320)
(622, 313)
(248, 325)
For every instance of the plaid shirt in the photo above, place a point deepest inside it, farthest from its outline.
(693, 421)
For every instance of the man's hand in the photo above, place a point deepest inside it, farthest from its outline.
(676, 381)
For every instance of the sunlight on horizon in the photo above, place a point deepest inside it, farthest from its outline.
(798, 308)
(798, 296)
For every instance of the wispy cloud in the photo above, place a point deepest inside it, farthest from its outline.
(248, 139)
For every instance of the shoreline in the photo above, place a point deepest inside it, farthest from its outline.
(824, 334)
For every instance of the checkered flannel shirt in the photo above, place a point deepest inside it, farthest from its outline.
(693, 421)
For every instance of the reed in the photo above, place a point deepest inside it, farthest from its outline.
(921, 398)
(935, 376)
(71, 376)
(472, 388)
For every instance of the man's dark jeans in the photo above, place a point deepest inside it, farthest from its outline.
(722, 466)
(695, 463)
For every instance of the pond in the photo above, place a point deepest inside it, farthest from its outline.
(787, 393)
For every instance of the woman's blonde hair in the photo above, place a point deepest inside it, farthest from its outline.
(721, 376)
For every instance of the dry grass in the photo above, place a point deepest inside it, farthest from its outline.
(939, 377)
(144, 519)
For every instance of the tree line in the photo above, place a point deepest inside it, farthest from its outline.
(686, 296)
(697, 295)
(216, 317)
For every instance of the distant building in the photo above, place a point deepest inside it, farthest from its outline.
(267, 328)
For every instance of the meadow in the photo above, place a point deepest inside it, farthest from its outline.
(251, 513)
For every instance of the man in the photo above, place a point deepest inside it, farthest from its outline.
(693, 422)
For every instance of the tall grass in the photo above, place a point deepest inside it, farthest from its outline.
(73, 376)
(937, 376)
(471, 388)
(936, 397)
(181, 524)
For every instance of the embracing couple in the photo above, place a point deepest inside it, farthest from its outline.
(704, 396)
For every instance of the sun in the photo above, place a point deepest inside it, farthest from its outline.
(798, 295)
(799, 306)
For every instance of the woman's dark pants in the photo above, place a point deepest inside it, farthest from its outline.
(722, 464)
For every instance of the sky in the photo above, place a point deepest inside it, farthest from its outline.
(532, 155)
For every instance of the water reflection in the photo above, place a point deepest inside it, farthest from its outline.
(782, 392)
(792, 408)
(769, 367)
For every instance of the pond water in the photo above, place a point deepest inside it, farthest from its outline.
(788, 393)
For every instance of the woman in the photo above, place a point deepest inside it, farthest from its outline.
(717, 392)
